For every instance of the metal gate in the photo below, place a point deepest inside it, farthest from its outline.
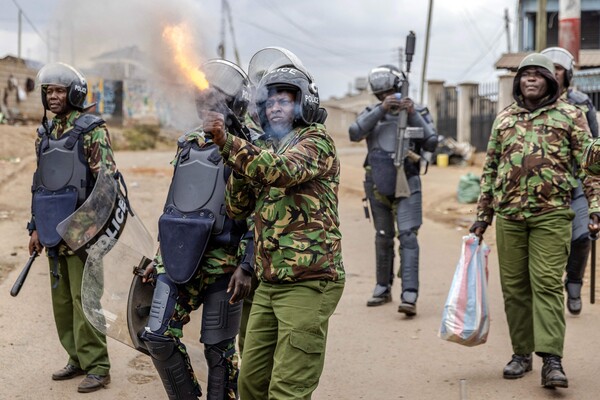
(447, 111)
(484, 107)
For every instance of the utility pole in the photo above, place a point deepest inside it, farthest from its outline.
(426, 50)
(221, 47)
(19, 34)
(507, 28)
(569, 26)
(540, 26)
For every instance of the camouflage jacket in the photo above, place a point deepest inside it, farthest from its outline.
(97, 150)
(530, 162)
(217, 260)
(296, 223)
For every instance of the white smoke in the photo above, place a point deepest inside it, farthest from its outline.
(89, 29)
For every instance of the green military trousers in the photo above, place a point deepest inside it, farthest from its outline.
(85, 346)
(286, 336)
(533, 255)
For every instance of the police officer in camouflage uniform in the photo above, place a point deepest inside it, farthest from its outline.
(71, 149)
(298, 253)
(527, 182)
(580, 242)
(393, 216)
(199, 260)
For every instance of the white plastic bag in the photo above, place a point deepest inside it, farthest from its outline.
(466, 318)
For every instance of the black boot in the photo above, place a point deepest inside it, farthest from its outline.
(553, 374)
(518, 366)
(381, 295)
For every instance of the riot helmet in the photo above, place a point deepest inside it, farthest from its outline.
(546, 67)
(61, 74)
(271, 58)
(228, 85)
(562, 57)
(385, 78)
(292, 79)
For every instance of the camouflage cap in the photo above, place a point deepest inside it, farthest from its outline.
(590, 162)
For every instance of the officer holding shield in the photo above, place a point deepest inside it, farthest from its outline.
(71, 149)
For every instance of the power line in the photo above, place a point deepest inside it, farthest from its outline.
(30, 23)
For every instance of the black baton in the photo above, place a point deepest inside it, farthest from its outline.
(593, 238)
(23, 275)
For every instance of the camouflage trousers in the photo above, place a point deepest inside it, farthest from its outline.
(85, 346)
(286, 336)
(532, 255)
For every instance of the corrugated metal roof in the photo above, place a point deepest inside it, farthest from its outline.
(511, 61)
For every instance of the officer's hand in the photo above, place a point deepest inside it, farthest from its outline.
(34, 243)
(594, 225)
(478, 228)
(240, 283)
(391, 102)
(214, 124)
(407, 104)
(149, 275)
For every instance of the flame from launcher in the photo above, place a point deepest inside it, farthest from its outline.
(178, 37)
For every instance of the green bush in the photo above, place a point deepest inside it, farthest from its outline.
(140, 137)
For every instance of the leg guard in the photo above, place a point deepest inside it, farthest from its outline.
(163, 304)
(220, 325)
(409, 265)
(384, 258)
(173, 366)
(222, 370)
(580, 250)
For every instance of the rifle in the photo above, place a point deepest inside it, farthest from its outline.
(23, 275)
(402, 188)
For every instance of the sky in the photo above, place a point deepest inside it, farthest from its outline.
(337, 40)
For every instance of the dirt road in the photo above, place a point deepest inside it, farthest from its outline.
(373, 353)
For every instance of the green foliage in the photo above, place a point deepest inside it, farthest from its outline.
(139, 137)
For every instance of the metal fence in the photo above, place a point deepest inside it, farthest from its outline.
(447, 111)
(484, 106)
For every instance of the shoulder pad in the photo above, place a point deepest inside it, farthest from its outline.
(577, 97)
(424, 111)
(87, 122)
(41, 130)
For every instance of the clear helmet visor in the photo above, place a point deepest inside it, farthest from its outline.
(58, 74)
(271, 58)
(381, 80)
(225, 76)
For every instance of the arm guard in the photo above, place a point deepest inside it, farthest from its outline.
(365, 123)
(429, 141)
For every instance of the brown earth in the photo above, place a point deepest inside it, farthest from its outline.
(372, 353)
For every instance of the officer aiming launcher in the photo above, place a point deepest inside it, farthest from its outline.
(402, 188)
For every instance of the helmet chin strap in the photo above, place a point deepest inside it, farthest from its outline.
(45, 122)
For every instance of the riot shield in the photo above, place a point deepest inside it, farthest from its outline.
(116, 246)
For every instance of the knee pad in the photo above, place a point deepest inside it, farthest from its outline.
(220, 320)
(163, 304)
(173, 366)
(222, 374)
(408, 239)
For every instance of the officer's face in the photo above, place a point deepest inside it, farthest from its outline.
(56, 98)
(279, 109)
(559, 72)
(533, 84)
